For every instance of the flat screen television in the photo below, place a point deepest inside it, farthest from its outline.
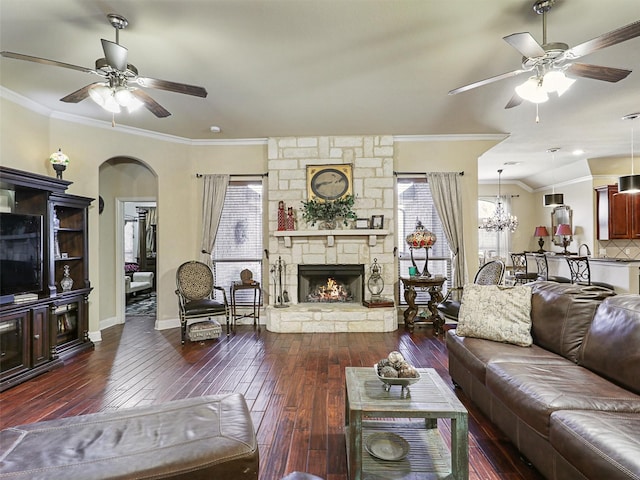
(21, 264)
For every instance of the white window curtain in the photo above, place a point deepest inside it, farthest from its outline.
(445, 191)
(215, 190)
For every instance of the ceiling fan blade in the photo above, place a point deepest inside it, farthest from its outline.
(597, 72)
(486, 81)
(45, 61)
(514, 102)
(115, 54)
(150, 104)
(613, 37)
(171, 86)
(80, 94)
(525, 44)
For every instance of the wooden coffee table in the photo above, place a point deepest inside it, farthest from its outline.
(370, 409)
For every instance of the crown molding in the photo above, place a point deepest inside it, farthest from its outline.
(35, 107)
(451, 138)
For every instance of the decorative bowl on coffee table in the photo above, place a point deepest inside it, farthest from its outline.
(388, 382)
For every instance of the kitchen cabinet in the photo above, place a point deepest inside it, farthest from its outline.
(618, 214)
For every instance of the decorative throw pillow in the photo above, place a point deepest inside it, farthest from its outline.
(498, 313)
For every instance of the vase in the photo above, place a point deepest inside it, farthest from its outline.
(67, 282)
(328, 224)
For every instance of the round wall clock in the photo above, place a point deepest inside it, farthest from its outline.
(329, 184)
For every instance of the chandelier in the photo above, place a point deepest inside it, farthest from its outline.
(500, 220)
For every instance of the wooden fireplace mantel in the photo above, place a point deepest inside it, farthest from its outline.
(373, 235)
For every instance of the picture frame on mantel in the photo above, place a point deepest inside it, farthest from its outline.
(329, 182)
(362, 223)
(377, 222)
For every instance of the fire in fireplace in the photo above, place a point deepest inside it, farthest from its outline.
(330, 283)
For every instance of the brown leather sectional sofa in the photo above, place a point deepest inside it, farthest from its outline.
(571, 402)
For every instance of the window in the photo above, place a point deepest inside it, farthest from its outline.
(492, 244)
(238, 244)
(415, 203)
(130, 244)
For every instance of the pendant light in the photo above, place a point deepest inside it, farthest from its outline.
(553, 199)
(630, 183)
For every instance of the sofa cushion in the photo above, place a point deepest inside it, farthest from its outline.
(598, 444)
(534, 391)
(476, 353)
(561, 315)
(612, 345)
(496, 313)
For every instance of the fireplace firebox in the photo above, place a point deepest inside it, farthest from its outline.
(330, 283)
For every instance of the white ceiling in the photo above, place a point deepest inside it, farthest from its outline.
(339, 67)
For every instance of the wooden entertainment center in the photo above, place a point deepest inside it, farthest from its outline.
(46, 324)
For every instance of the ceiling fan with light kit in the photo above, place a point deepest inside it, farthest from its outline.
(120, 80)
(550, 63)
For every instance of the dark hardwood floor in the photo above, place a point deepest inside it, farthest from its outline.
(293, 383)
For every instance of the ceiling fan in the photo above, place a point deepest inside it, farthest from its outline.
(549, 62)
(120, 80)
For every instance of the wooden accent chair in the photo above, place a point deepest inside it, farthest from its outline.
(195, 290)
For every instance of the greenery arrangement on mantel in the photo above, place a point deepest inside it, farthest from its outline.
(328, 212)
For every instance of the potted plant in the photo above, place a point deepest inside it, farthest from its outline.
(328, 212)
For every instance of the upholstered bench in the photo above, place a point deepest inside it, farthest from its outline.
(196, 438)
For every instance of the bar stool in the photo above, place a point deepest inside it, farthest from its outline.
(581, 272)
(543, 270)
(520, 270)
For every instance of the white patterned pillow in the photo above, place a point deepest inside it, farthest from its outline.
(493, 312)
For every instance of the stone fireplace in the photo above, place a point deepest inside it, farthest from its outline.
(371, 158)
(330, 283)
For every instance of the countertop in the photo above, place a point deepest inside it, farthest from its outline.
(614, 260)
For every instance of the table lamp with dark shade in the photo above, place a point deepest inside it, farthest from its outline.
(564, 231)
(541, 231)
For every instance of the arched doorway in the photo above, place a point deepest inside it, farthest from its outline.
(121, 180)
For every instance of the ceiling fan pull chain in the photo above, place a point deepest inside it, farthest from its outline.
(537, 116)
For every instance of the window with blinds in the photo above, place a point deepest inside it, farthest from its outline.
(238, 244)
(415, 203)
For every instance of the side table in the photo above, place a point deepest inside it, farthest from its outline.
(433, 285)
(257, 301)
